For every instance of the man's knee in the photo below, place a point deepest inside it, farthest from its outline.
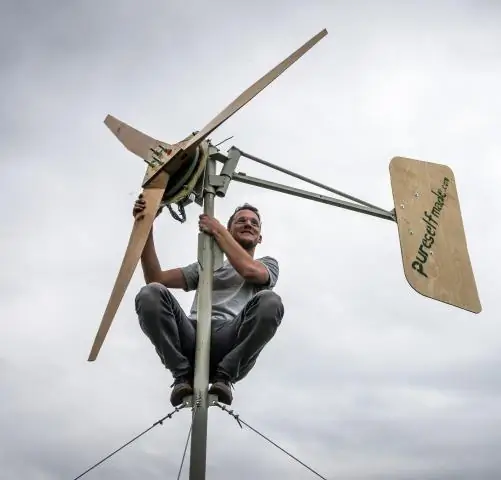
(149, 295)
(269, 298)
(270, 305)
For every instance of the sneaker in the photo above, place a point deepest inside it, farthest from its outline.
(222, 389)
(182, 388)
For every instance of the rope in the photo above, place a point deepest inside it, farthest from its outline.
(184, 453)
(158, 422)
(240, 422)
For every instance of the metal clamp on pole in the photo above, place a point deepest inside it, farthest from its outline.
(227, 171)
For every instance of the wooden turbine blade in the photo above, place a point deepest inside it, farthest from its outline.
(133, 140)
(245, 97)
(142, 226)
(432, 238)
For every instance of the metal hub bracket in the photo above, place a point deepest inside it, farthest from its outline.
(189, 403)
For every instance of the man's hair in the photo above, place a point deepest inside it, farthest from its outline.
(245, 206)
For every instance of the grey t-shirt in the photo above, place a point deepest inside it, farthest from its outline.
(230, 291)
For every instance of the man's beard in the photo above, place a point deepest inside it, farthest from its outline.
(247, 244)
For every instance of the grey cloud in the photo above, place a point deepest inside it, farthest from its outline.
(366, 379)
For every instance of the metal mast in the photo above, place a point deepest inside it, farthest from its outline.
(202, 353)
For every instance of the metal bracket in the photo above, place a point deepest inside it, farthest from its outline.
(221, 182)
(188, 401)
(216, 181)
(227, 171)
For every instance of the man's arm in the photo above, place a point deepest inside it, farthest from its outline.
(172, 278)
(152, 272)
(252, 270)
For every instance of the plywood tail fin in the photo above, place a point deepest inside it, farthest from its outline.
(137, 142)
(142, 226)
(432, 237)
(247, 95)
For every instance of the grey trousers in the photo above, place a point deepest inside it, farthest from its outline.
(235, 344)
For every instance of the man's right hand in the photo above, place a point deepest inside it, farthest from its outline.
(140, 205)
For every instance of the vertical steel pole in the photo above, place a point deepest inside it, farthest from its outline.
(202, 354)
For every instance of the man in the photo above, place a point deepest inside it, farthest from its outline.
(245, 314)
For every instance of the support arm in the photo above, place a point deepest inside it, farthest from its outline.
(277, 187)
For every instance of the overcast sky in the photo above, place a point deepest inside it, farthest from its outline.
(365, 379)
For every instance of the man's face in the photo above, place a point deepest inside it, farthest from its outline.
(246, 229)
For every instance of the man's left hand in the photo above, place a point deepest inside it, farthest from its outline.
(209, 225)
